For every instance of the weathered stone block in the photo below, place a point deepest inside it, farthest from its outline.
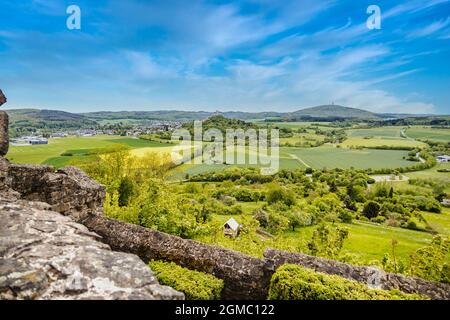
(69, 190)
(44, 255)
(4, 137)
(2, 98)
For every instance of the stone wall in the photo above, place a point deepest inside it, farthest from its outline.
(2, 98)
(4, 138)
(68, 190)
(45, 255)
(244, 277)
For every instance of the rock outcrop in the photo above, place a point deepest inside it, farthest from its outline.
(45, 255)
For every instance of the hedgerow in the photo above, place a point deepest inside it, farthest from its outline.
(292, 282)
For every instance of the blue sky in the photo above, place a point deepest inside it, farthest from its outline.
(255, 55)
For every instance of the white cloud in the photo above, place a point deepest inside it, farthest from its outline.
(430, 29)
(412, 6)
(144, 67)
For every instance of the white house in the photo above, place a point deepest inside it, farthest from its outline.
(443, 158)
(231, 228)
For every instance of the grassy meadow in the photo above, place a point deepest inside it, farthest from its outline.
(428, 133)
(79, 148)
(328, 156)
(367, 241)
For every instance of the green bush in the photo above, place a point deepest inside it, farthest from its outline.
(292, 282)
(195, 285)
(371, 209)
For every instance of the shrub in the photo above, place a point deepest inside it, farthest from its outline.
(195, 285)
(327, 241)
(292, 282)
(280, 194)
(430, 262)
(346, 216)
(228, 200)
(371, 209)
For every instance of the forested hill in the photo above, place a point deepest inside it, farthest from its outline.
(319, 113)
(44, 115)
(24, 121)
(334, 112)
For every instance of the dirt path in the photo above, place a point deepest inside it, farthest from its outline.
(389, 178)
(293, 156)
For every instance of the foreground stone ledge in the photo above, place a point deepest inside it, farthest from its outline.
(44, 255)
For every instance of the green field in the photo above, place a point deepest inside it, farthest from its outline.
(380, 142)
(52, 153)
(369, 242)
(429, 133)
(296, 125)
(439, 222)
(383, 132)
(433, 174)
(373, 241)
(331, 157)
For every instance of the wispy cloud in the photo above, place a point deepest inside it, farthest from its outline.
(240, 55)
(412, 6)
(429, 29)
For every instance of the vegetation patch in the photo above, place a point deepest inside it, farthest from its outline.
(292, 282)
(195, 285)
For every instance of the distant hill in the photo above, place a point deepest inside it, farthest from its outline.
(44, 115)
(324, 112)
(332, 112)
(148, 115)
(321, 112)
(31, 117)
(23, 121)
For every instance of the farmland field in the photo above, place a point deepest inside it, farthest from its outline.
(379, 142)
(79, 146)
(433, 174)
(321, 157)
(332, 157)
(296, 125)
(384, 132)
(428, 133)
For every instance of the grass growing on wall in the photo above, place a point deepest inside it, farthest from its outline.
(195, 285)
(292, 282)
